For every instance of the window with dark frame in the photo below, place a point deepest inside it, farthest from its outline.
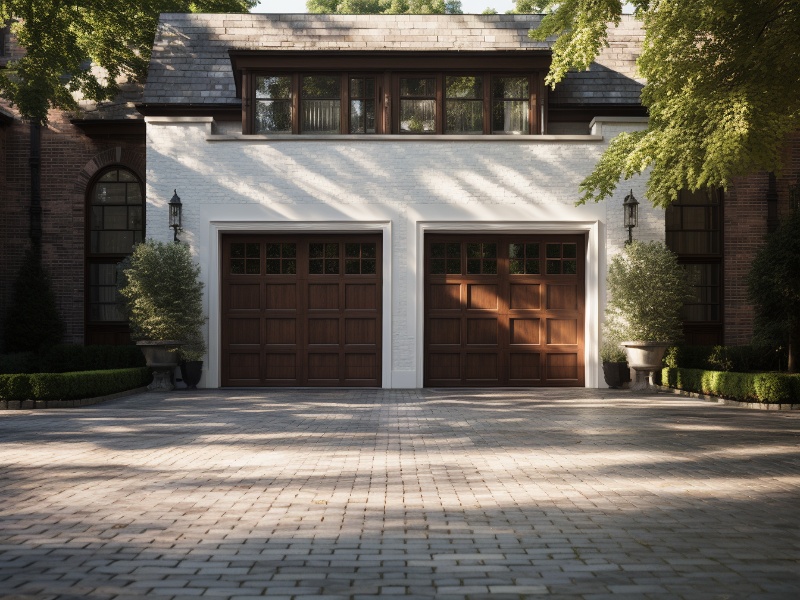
(116, 224)
(694, 233)
(454, 103)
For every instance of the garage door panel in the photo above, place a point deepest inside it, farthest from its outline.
(562, 366)
(323, 296)
(243, 331)
(481, 296)
(525, 296)
(280, 296)
(481, 332)
(281, 331)
(360, 331)
(444, 296)
(360, 296)
(524, 331)
(562, 296)
(524, 366)
(482, 367)
(301, 309)
(504, 309)
(444, 331)
(245, 296)
(562, 331)
(323, 331)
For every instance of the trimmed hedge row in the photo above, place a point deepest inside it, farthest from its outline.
(726, 358)
(71, 386)
(66, 358)
(771, 388)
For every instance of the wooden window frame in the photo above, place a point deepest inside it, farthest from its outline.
(387, 97)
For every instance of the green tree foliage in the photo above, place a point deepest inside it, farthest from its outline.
(163, 293)
(32, 322)
(646, 288)
(722, 87)
(774, 288)
(64, 38)
(385, 7)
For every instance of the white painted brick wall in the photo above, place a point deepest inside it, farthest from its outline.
(404, 182)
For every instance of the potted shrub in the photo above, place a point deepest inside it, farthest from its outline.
(163, 294)
(615, 367)
(191, 359)
(647, 288)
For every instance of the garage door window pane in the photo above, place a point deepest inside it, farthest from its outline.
(446, 259)
(523, 259)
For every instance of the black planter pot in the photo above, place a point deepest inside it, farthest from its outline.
(616, 373)
(192, 371)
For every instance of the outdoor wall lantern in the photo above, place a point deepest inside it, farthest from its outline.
(175, 208)
(631, 207)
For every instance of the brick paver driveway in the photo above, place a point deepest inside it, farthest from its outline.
(348, 494)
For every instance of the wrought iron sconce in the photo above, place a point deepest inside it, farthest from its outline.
(175, 209)
(631, 215)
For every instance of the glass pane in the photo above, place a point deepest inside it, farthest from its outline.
(352, 266)
(464, 116)
(316, 250)
(532, 250)
(331, 267)
(274, 87)
(437, 267)
(274, 116)
(510, 116)
(490, 251)
(115, 217)
(515, 267)
(473, 250)
(289, 250)
(369, 266)
(321, 116)
(271, 266)
(464, 87)
(553, 267)
(109, 193)
(490, 267)
(352, 250)
(437, 250)
(370, 116)
(134, 193)
(273, 251)
(473, 266)
(570, 267)
(532, 267)
(369, 83)
(553, 251)
(368, 251)
(125, 175)
(417, 116)
(315, 266)
(253, 250)
(237, 250)
(114, 242)
(97, 217)
(253, 267)
(331, 250)
(516, 251)
(454, 267)
(510, 87)
(109, 176)
(453, 250)
(134, 217)
(418, 87)
(237, 266)
(357, 88)
(289, 267)
(321, 86)
(570, 251)
(358, 112)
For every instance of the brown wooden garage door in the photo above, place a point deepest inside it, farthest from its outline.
(301, 310)
(504, 310)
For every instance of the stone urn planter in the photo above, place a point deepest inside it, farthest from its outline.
(161, 356)
(645, 358)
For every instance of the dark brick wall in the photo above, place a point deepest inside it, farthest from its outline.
(69, 161)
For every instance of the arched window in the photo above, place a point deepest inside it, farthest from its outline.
(115, 224)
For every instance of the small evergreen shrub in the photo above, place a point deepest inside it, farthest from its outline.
(745, 387)
(72, 386)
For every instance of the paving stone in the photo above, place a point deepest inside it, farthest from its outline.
(575, 494)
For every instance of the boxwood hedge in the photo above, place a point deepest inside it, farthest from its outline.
(772, 388)
(71, 386)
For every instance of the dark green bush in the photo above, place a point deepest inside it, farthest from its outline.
(726, 358)
(65, 358)
(746, 387)
(72, 386)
